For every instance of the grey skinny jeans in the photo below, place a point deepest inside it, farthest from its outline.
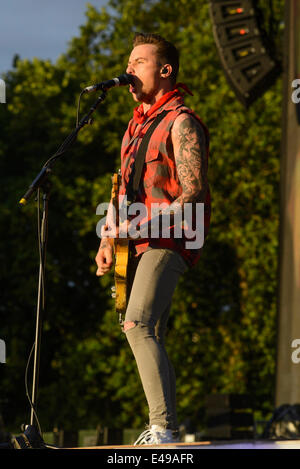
(156, 276)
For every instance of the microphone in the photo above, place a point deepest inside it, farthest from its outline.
(125, 79)
(35, 185)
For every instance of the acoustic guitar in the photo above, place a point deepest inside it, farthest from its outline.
(121, 254)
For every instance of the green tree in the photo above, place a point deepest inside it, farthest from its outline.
(222, 324)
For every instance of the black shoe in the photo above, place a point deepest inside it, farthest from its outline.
(29, 439)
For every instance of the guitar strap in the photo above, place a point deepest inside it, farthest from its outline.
(136, 173)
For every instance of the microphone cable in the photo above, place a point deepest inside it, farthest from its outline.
(43, 297)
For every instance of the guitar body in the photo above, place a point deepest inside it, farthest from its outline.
(121, 253)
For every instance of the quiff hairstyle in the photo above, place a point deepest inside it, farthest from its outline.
(166, 51)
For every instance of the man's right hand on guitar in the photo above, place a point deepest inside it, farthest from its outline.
(104, 258)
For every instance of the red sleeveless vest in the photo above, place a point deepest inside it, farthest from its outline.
(159, 181)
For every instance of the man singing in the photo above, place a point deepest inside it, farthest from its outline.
(175, 174)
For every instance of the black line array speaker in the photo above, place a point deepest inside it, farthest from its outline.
(243, 48)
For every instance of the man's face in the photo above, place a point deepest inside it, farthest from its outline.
(144, 66)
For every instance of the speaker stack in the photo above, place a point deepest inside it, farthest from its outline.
(243, 48)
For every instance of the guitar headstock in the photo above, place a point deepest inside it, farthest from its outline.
(116, 182)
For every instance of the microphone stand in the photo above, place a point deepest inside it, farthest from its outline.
(41, 181)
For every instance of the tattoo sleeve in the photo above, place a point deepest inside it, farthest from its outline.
(189, 142)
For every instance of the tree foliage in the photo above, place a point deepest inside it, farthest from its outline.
(222, 335)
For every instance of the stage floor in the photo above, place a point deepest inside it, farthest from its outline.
(259, 444)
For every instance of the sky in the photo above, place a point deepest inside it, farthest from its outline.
(39, 28)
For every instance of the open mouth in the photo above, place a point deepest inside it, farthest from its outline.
(132, 85)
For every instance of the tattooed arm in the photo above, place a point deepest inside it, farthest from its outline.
(104, 257)
(189, 143)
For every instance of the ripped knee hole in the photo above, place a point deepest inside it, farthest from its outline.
(129, 325)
